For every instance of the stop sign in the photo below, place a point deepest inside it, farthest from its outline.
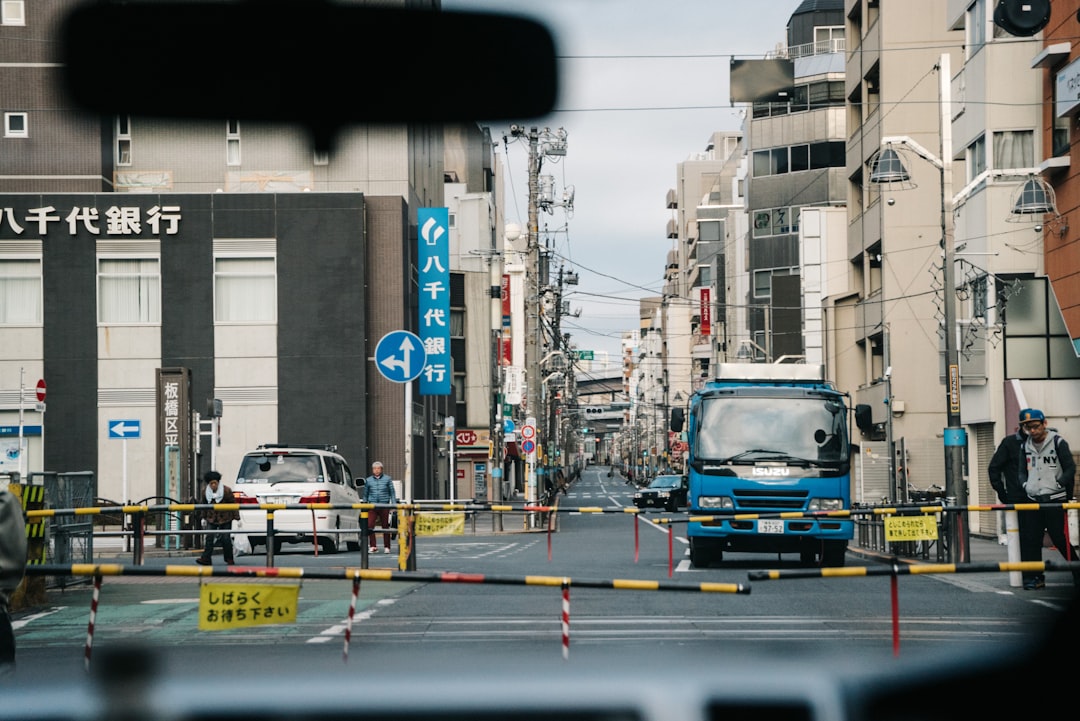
(41, 390)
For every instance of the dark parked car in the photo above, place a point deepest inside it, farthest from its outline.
(667, 492)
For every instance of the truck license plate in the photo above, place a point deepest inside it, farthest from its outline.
(770, 526)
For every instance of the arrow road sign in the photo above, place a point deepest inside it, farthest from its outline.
(125, 429)
(400, 356)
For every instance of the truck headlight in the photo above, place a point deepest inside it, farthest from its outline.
(826, 504)
(715, 502)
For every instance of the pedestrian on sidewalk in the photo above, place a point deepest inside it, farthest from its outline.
(1047, 473)
(379, 488)
(12, 568)
(218, 523)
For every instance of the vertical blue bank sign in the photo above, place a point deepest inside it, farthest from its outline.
(433, 257)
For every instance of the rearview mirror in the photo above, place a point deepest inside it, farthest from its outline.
(319, 64)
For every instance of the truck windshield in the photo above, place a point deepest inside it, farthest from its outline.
(733, 425)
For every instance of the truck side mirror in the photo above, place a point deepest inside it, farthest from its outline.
(864, 417)
(677, 419)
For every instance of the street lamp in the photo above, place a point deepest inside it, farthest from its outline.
(1034, 198)
(887, 168)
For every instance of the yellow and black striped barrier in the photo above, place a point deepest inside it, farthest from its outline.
(367, 574)
(918, 569)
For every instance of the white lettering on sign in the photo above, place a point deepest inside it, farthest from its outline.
(117, 220)
(772, 472)
(171, 409)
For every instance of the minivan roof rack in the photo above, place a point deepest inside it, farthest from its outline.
(311, 446)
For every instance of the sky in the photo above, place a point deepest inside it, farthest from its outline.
(643, 86)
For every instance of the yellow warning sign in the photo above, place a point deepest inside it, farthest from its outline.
(236, 605)
(449, 523)
(911, 528)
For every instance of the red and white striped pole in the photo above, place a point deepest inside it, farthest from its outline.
(93, 618)
(352, 612)
(566, 618)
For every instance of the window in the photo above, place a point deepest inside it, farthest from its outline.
(16, 125)
(13, 12)
(20, 291)
(976, 158)
(762, 283)
(800, 158)
(232, 142)
(1014, 149)
(976, 27)
(1037, 343)
(123, 140)
(775, 221)
(828, 39)
(129, 290)
(245, 290)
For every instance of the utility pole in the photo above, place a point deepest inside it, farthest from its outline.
(554, 144)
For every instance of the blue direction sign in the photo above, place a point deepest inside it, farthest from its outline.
(125, 429)
(508, 425)
(400, 356)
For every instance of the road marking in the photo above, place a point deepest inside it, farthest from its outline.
(27, 619)
(336, 631)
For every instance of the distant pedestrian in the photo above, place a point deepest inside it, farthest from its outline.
(12, 568)
(218, 523)
(379, 488)
(1047, 473)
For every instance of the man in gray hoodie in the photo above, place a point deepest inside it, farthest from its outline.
(1047, 473)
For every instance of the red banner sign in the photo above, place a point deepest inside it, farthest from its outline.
(706, 311)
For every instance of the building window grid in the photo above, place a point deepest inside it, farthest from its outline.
(13, 12)
(245, 289)
(776, 221)
(16, 125)
(1037, 342)
(123, 140)
(20, 290)
(129, 290)
(232, 142)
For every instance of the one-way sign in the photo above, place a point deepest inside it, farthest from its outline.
(125, 429)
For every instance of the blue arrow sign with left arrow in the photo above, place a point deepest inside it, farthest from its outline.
(125, 429)
(400, 356)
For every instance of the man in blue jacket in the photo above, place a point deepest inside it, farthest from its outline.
(379, 488)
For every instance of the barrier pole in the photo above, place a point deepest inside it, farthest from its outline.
(565, 618)
(270, 539)
(670, 551)
(315, 533)
(93, 618)
(1012, 542)
(894, 588)
(637, 547)
(352, 611)
(550, 517)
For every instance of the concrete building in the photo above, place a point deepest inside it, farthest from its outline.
(796, 161)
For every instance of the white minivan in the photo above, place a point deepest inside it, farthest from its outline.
(278, 473)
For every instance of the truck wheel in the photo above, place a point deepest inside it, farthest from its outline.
(834, 554)
(701, 558)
